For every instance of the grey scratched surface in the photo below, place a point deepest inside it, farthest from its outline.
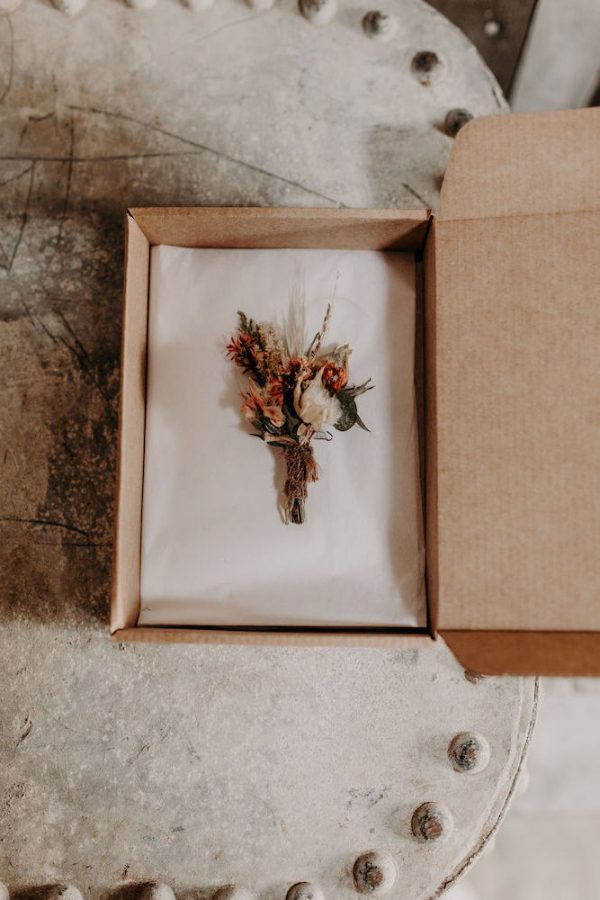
(200, 765)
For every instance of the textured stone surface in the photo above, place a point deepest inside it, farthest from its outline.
(262, 767)
(200, 766)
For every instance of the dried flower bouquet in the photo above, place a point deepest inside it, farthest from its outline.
(295, 394)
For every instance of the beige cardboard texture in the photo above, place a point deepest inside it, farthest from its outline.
(429, 432)
(526, 164)
(384, 640)
(126, 559)
(227, 227)
(517, 393)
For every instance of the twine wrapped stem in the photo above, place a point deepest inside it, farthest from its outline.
(301, 469)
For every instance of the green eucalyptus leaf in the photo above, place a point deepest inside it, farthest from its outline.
(361, 424)
(349, 412)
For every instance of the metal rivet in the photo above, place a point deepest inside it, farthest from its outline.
(431, 822)
(304, 890)
(379, 25)
(375, 872)
(455, 120)
(233, 892)
(469, 752)
(426, 66)
(492, 28)
(319, 12)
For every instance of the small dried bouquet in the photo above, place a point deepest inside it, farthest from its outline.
(295, 394)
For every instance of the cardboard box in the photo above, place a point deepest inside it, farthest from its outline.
(511, 391)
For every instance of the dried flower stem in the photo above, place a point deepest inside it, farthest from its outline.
(316, 342)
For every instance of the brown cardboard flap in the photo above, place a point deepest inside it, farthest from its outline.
(130, 461)
(525, 164)
(344, 229)
(382, 640)
(429, 434)
(573, 653)
(516, 384)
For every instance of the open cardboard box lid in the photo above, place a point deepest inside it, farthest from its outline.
(512, 389)
(513, 392)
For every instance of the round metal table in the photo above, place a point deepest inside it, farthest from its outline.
(202, 766)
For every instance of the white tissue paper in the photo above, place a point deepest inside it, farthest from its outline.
(214, 548)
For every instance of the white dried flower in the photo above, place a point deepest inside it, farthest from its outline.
(315, 405)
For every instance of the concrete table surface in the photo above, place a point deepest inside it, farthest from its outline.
(202, 765)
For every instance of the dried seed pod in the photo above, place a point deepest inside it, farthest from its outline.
(469, 752)
(427, 67)
(431, 822)
(319, 12)
(375, 872)
(454, 121)
(305, 890)
(379, 25)
(233, 892)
